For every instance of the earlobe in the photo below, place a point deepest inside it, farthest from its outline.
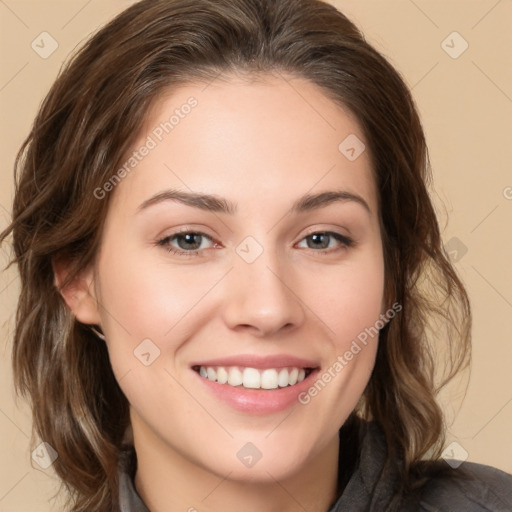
(79, 294)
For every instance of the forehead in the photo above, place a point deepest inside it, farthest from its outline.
(249, 140)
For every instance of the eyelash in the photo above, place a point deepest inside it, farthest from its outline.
(346, 242)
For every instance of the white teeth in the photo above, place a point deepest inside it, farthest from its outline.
(253, 378)
(269, 379)
(211, 373)
(222, 375)
(235, 377)
(282, 379)
(292, 378)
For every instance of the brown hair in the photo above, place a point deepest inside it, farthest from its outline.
(87, 123)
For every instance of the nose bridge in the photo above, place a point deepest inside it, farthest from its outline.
(261, 291)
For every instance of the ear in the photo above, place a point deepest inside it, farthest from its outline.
(79, 294)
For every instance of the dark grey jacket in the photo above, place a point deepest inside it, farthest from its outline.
(373, 486)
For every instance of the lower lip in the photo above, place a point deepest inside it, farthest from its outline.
(258, 401)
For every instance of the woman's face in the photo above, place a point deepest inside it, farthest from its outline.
(276, 278)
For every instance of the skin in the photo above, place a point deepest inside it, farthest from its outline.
(260, 144)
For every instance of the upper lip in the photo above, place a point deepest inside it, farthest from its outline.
(253, 361)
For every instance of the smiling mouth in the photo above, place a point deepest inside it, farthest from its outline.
(253, 378)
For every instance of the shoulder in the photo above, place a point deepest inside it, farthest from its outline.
(471, 487)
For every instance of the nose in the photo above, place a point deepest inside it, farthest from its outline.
(262, 297)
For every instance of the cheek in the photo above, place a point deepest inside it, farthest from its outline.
(152, 306)
(144, 308)
(150, 310)
(351, 308)
(350, 299)
(149, 298)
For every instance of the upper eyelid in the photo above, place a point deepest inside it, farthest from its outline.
(309, 231)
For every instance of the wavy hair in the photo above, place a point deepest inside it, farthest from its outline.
(86, 124)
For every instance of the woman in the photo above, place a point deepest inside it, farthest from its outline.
(223, 234)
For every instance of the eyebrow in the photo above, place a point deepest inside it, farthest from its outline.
(214, 203)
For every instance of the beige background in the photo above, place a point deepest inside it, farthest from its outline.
(466, 107)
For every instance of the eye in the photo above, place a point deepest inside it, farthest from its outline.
(190, 243)
(325, 242)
